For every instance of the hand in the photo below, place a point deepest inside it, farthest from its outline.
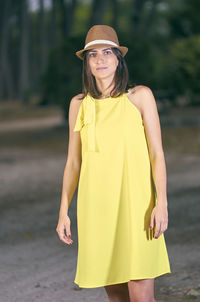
(159, 219)
(62, 227)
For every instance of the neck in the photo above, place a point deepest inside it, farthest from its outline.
(105, 86)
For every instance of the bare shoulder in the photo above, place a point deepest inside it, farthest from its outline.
(76, 102)
(74, 107)
(142, 97)
(140, 90)
(77, 99)
(145, 96)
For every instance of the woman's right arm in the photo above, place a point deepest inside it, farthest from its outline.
(71, 172)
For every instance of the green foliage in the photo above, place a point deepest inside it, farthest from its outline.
(148, 64)
(184, 18)
(185, 67)
(169, 68)
(141, 61)
(82, 14)
(62, 79)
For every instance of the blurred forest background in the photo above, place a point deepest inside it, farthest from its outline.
(39, 74)
(38, 40)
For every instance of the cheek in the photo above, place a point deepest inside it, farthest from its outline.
(114, 63)
(91, 65)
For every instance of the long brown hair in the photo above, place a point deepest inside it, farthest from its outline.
(121, 77)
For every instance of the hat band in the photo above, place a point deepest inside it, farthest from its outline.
(100, 42)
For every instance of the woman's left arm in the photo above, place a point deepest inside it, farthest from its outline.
(159, 216)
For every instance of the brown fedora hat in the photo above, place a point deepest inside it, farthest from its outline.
(99, 36)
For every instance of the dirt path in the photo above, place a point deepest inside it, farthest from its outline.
(32, 124)
(36, 266)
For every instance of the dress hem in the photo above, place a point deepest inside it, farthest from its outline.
(123, 281)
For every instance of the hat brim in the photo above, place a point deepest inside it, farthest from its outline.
(80, 53)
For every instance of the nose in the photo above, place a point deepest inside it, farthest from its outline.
(99, 58)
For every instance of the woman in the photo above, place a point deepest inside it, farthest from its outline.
(115, 151)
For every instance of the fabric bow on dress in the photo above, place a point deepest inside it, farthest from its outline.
(87, 116)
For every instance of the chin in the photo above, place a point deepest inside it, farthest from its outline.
(103, 75)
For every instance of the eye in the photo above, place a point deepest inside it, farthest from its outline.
(91, 54)
(108, 51)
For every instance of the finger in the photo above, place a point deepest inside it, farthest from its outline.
(163, 227)
(65, 239)
(68, 231)
(157, 230)
(152, 221)
(69, 238)
(166, 225)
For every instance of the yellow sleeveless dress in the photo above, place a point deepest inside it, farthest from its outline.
(115, 197)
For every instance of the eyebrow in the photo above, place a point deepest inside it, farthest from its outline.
(93, 50)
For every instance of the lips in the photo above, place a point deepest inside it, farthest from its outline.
(101, 68)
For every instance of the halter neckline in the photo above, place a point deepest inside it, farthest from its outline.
(115, 99)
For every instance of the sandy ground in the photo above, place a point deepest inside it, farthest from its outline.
(35, 265)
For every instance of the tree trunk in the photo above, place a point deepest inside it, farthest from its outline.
(33, 71)
(43, 49)
(53, 25)
(24, 60)
(71, 8)
(1, 34)
(138, 7)
(150, 18)
(63, 14)
(6, 80)
(115, 14)
(97, 12)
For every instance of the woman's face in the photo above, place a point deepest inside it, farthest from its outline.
(102, 62)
